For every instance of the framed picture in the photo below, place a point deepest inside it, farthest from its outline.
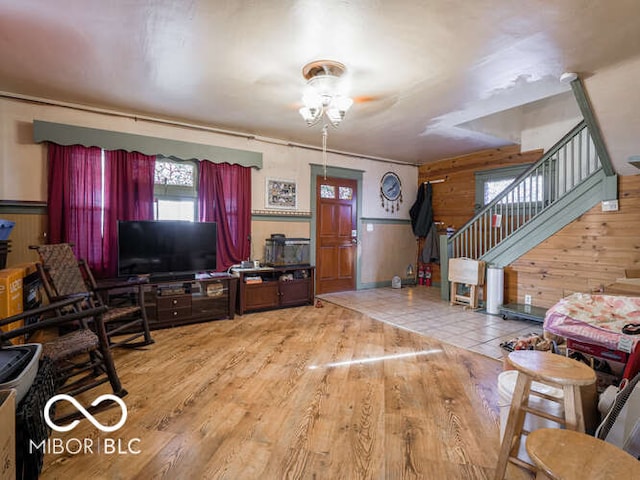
(281, 194)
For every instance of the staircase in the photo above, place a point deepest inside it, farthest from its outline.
(565, 183)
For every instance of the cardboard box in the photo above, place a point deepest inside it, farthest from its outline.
(608, 364)
(7, 435)
(28, 267)
(11, 300)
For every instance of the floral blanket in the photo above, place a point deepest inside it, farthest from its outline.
(593, 318)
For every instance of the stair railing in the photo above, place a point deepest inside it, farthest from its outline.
(568, 163)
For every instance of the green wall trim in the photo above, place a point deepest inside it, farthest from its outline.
(369, 285)
(23, 207)
(93, 137)
(336, 172)
(406, 283)
(386, 220)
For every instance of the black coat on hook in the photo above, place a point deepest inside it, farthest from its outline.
(421, 214)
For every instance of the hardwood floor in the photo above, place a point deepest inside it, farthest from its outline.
(301, 393)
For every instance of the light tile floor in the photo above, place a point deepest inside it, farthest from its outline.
(420, 309)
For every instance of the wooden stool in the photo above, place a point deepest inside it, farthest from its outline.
(564, 454)
(547, 368)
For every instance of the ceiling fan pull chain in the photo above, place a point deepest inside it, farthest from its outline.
(325, 132)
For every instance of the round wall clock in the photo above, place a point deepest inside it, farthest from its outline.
(391, 192)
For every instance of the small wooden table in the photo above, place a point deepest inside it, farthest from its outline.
(465, 271)
(570, 455)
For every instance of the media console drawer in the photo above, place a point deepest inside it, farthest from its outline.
(174, 314)
(173, 302)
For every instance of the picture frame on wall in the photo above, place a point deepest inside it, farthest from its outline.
(281, 194)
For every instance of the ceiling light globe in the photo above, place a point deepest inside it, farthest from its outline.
(311, 98)
(342, 103)
(335, 116)
(310, 114)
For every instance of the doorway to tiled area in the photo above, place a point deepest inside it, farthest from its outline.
(420, 309)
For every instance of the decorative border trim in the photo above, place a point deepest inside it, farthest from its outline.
(280, 213)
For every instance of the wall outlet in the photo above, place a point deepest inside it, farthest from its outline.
(527, 299)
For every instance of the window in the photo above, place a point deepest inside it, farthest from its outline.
(175, 189)
(327, 191)
(491, 183)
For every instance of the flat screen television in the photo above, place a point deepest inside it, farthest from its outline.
(165, 248)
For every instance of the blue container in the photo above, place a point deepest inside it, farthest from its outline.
(5, 228)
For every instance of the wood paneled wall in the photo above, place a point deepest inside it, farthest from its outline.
(29, 229)
(591, 252)
(454, 199)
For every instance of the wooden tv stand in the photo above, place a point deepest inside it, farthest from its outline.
(179, 302)
(278, 287)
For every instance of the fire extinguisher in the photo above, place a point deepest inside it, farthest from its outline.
(427, 275)
(421, 275)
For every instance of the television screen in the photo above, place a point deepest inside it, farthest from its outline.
(166, 248)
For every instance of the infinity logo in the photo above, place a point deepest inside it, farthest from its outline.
(87, 415)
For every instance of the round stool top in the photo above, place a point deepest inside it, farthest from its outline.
(568, 455)
(551, 367)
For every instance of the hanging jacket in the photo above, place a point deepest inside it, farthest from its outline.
(431, 248)
(421, 212)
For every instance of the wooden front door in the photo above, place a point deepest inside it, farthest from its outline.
(336, 234)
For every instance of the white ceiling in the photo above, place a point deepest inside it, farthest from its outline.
(439, 74)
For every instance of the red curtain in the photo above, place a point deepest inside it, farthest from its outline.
(224, 197)
(128, 195)
(75, 199)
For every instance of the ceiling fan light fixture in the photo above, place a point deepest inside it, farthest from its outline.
(338, 109)
(311, 115)
(324, 93)
(343, 103)
(311, 97)
(335, 116)
(326, 86)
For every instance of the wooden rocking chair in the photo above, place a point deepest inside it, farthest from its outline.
(82, 358)
(64, 276)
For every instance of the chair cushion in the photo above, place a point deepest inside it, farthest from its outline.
(70, 344)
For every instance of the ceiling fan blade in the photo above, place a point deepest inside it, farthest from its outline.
(367, 98)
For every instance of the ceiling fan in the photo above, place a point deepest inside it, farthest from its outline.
(327, 92)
